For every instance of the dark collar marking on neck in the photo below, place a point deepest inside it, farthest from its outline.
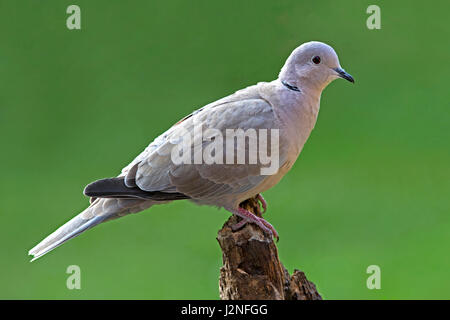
(290, 87)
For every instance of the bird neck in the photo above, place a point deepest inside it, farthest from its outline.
(303, 80)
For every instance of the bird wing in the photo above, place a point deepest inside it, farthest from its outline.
(154, 170)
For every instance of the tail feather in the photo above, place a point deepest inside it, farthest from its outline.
(69, 230)
(99, 211)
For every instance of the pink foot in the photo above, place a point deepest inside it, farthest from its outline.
(263, 202)
(239, 225)
(247, 216)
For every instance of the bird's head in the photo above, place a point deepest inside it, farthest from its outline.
(313, 65)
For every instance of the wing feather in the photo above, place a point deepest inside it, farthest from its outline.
(154, 170)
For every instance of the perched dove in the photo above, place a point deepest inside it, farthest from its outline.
(289, 104)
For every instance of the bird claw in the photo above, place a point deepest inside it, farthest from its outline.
(273, 232)
(239, 225)
(263, 202)
(247, 216)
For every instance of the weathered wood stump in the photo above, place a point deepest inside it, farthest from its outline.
(251, 268)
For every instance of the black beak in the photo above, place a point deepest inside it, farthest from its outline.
(344, 75)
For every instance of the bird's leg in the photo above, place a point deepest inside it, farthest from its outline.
(263, 202)
(247, 216)
(240, 224)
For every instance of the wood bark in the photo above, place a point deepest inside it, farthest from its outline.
(251, 267)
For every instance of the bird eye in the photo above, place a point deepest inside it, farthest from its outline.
(316, 59)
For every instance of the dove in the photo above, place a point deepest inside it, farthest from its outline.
(289, 104)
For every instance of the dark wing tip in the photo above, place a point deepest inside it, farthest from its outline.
(102, 187)
(116, 188)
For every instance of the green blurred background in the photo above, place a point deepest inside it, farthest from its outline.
(370, 187)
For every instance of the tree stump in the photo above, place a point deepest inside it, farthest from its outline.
(251, 268)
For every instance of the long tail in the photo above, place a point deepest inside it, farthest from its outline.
(98, 212)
